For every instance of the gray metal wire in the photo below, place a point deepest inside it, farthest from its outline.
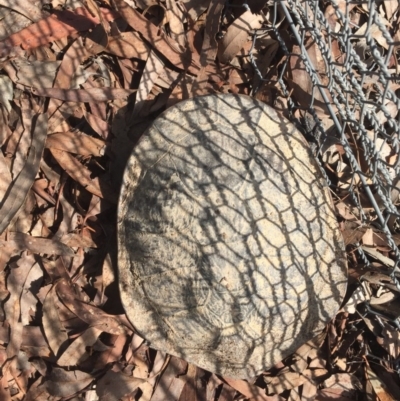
(347, 100)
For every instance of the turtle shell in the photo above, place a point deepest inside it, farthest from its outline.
(230, 256)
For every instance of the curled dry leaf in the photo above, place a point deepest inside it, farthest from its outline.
(77, 351)
(237, 35)
(6, 92)
(358, 296)
(12, 308)
(378, 385)
(63, 383)
(175, 22)
(5, 175)
(82, 175)
(287, 380)
(89, 313)
(78, 143)
(128, 45)
(250, 390)
(151, 71)
(115, 385)
(53, 328)
(29, 10)
(344, 384)
(21, 242)
(156, 38)
(171, 383)
(28, 297)
(84, 95)
(21, 185)
(60, 24)
(34, 73)
(300, 81)
(74, 240)
(209, 47)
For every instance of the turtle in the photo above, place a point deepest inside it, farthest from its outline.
(229, 252)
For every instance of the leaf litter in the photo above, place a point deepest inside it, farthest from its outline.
(79, 83)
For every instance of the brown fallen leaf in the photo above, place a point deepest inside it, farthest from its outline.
(171, 383)
(22, 242)
(63, 383)
(74, 240)
(250, 390)
(237, 35)
(194, 387)
(32, 286)
(73, 58)
(209, 48)
(300, 81)
(160, 362)
(82, 175)
(115, 385)
(32, 73)
(60, 24)
(29, 10)
(378, 385)
(77, 351)
(83, 95)
(99, 125)
(5, 176)
(151, 71)
(128, 45)
(175, 19)
(77, 143)
(52, 326)
(90, 314)
(21, 185)
(155, 37)
(12, 308)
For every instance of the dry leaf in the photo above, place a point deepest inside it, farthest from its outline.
(77, 351)
(250, 390)
(128, 45)
(53, 328)
(82, 175)
(84, 95)
(78, 143)
(154, 37)
(151, 71)
(6, 92)
(175, 20)
(237, 35)
(89, 313)
(12, 308)
(32, 285)
(22, 242)
(209, 48)
(171, 383)
(60, 24)
(379, 387)
(63, 383)
(21, 185)
(115, 385)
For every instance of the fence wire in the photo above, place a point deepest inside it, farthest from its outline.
(360, 92)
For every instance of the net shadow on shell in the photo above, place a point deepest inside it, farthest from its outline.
(229, 251)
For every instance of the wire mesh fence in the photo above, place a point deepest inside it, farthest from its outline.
(339, 76)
